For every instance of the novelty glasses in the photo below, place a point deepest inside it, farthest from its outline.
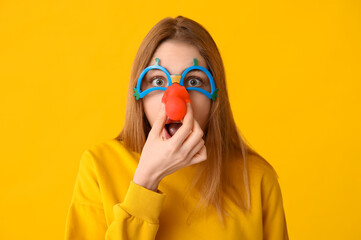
(195, 78)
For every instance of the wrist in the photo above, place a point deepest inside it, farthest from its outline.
(148, 181)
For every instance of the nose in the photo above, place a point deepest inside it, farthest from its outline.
(175, 99)
(175, 78)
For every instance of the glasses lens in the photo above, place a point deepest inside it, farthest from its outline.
(154, 78)
(198, 79)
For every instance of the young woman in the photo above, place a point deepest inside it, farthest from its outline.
(179, 150)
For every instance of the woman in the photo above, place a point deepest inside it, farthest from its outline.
(150, 181)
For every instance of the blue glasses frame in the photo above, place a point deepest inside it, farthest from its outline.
(211, 95)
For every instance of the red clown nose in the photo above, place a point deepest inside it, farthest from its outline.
(175, 99)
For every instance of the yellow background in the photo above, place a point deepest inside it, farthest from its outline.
(293, 75)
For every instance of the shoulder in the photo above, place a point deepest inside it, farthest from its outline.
(110, 154)
(93, 153)
(260, 171)
(263, 180)
(103, 147)
(108, 149)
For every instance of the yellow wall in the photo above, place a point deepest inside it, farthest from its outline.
(293, 72)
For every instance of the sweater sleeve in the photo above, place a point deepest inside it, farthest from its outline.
(274, 219)
(137, 217)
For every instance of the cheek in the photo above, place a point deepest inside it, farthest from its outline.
(201, 107)
(151, 105)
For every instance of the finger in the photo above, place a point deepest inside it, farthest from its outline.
(196, 148)
(194, 138)
(200, 156)
(186, 128)
(159, 123)
(197, 127)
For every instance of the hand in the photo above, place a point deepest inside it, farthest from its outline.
(161, 157)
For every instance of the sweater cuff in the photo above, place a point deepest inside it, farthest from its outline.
(143, 203)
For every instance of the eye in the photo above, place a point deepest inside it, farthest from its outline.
(194, 81)
(157, 81)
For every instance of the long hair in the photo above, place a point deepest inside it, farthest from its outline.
(223, 140)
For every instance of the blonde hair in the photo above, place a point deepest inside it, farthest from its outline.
(223, 140)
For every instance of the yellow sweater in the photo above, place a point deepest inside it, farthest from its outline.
(107, 204)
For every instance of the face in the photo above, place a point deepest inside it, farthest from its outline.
(176, 56)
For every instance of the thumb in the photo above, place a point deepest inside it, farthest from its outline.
(159, 123)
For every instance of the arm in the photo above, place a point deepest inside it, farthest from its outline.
(274, 220)
(137, 217)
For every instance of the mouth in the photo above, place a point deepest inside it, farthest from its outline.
(171, 127)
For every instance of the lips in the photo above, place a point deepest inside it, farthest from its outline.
(172, 121)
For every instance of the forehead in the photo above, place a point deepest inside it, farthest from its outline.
(176, 56)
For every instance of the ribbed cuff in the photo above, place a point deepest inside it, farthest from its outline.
(143, 203)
